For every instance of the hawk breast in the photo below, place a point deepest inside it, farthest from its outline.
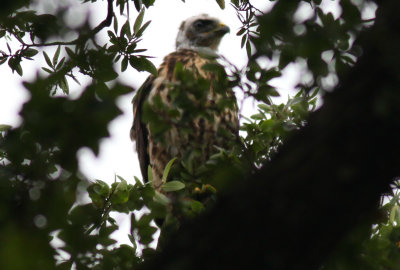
(191, 113)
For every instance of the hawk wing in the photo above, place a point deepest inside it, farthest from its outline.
(196, 137)
(139, 131)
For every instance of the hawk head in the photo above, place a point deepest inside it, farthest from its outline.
(200, 31)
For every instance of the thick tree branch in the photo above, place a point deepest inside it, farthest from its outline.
(326, 179)
(107, 21)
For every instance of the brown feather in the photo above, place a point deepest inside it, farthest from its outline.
(176, 144)
(139, 131)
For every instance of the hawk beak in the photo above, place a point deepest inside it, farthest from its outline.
(212, 38)
(222, 29)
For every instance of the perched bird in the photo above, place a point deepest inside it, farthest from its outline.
(189, 120)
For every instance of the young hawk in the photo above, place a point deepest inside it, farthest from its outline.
(177, 131)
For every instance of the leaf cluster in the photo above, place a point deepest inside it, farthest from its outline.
(83, 54)
(39, 177)
(268, 129)
(372, 247)
(292, 39)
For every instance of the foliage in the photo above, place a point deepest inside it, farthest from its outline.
(373, 247)
(44, 220)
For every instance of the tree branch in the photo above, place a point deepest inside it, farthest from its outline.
(83, 38)
(107, 21)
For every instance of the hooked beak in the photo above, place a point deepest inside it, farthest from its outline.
(222, 29)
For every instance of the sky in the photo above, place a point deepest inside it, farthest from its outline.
(118, 152)
(117, 155)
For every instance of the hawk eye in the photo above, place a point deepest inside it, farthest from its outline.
(202, 24)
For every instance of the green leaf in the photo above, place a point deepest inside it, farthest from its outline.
(14, 64)
(83, 213)
(142, 64)
(213, 67)
(221, 3)
(47, 58)
(149, 173)
(112, 36)
(243, 41)
(60, 64)
(146, 234)
(149, 3)
(272, 92)
(30, 52)
(70, 52)
(126, 29)
(138, 22)
(167, 169)
(393, 213)
(266, 108)
(105, 75)
(270, 74)
(123, 185)
(19, 70)
(121, 193)
(138, 4)
(56, 55)
(3, 60)
(248, 49)
(115, 24)
(104, 188)
(240, 32)
(161, 198)
(235, 2)
(173, 186)
(257, 116)
(124, 63)
(64, 85)
(47, 70)
(137, 181)
(141, 30)
(121, 6)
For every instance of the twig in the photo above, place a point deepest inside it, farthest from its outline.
(105, 23)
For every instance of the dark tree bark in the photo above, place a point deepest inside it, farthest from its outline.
(326, 179)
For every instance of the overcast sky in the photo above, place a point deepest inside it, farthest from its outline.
(116, 153)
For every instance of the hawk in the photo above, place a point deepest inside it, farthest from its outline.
(178, 132)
